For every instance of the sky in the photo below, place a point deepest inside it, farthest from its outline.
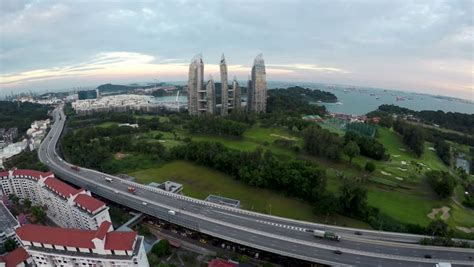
(421, 46)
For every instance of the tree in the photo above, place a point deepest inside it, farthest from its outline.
(351, 149)
(437, 228)
(162, 248)
(443, 150)
(143, 230)
(321, 142)
(353, 199)
(442, 183)
(9, 245)
(39, 213)
(14, 199)
(370, 167)
(412, 136)
(27, 203)
(368, 146)
(326, 204)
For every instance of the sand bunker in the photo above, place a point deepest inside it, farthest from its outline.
(444, 213)
(284, 137)
(385, 173)
(119, 155)
(399, 178)
(465, 229)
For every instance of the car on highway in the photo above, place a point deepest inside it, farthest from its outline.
(144, 203)
(358, 233)
(174, 231)
(203, 241)
(338, 252)
(428, 256)
(108, 179)
(116, 191)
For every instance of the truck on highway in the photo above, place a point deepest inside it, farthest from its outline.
(75, 168)
(132, 189)
(326, 235)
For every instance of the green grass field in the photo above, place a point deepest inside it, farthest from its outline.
(396, 189)
(200, 181)
(107, 124)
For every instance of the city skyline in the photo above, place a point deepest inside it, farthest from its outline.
(203, 99)
(423, 46)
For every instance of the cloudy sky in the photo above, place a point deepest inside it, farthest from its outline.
(424, 46)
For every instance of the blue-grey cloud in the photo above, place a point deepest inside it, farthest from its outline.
(396, 44)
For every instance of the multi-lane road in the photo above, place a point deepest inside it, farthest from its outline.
(268, 233)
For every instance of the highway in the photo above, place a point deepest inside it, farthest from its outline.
(265, 232)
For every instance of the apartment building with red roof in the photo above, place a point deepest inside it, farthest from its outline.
(17, 258)
(53, 246)
(64, 204)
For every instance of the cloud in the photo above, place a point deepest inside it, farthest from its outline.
(102, 62)
(367, 42)
(309, 67)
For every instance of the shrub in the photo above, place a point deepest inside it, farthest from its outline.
(442, 183)
(370, 167)
(162, 248)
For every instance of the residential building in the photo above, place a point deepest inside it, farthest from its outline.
(236, 98)
(200, 101)
(9, 135)
(249, 94)
(258, 86)
(12, 150)
(17, 258)
(88, 94)
(196, 90)
(224, 87)
(211, 96)
(122, 103)
(8, 224)
(64, 204)
(53, 246)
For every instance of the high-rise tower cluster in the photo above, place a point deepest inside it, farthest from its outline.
(202, 98)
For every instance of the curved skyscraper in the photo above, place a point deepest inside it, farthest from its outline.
(196, 90)
(211, 96)
(224, 87)
(257, 92)
(236, 94)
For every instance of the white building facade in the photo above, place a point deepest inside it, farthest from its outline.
(52, 246)
(65, 205)
(8, 224)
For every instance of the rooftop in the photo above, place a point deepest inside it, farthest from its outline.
(15, 257)
(7, 221)
(88, 202)
(31, 173)
(61, 187)
(221, 263)
(223, 201)
(77, 238)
